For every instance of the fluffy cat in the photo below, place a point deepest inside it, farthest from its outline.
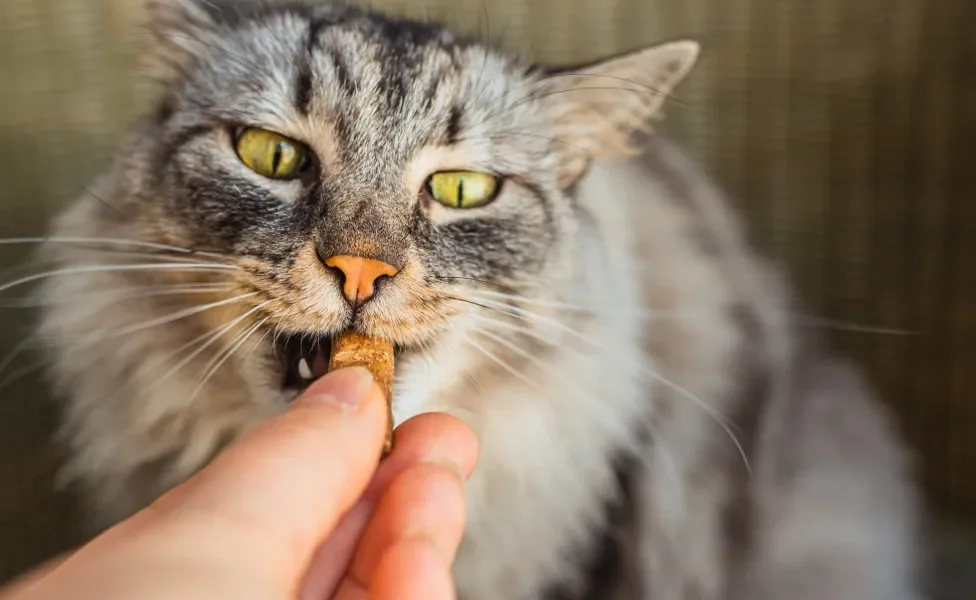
(653, 423)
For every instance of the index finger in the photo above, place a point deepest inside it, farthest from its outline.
(290, 480)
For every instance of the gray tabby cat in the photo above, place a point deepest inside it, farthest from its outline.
(652, 424)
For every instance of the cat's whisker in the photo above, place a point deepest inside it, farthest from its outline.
(508, 368)
(560, 387)
(175, 267)
(207, 340)
(527, 315)
(449, 326)
(839, 325)
(223, 356)
(165, 319)
(100, 336)
(16, 351)
(14, 376)
(801, 320)
(260, 343)
(540, 302)
(108, 240)
(133, 293)
(483, 281)
(716, 415)
(154, 256)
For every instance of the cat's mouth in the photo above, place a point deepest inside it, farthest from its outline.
(304, 358)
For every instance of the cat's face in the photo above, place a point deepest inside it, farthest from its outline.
(369, 173)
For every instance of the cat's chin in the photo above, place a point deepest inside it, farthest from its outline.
(304, 358)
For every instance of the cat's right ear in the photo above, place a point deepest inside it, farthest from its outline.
(181, 31)
(604, 109)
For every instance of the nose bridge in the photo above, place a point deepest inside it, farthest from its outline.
(364, 228)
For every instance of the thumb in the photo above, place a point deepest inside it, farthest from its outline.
(292, 479)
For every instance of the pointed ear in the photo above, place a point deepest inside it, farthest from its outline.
(599, 110)
(181, 31)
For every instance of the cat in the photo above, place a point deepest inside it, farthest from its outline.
(654, 423)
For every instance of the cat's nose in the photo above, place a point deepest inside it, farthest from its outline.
(359, 276)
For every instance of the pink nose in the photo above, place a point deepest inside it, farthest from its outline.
(359, 276)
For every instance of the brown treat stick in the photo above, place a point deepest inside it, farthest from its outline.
(352, 349)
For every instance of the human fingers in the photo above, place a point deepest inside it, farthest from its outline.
(288, 482)
(429, 438)
(425, 502)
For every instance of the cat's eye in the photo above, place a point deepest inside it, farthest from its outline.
(270, 154)
(462, 189)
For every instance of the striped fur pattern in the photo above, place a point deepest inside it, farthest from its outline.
(653, 423)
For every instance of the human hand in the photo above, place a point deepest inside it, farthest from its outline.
(295, 509)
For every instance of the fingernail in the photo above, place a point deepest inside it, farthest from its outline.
(346, 387)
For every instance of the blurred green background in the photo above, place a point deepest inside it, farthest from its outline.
(843, 130)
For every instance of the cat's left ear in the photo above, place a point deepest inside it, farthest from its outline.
(600, 110)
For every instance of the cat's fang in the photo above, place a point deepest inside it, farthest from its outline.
(304, 371)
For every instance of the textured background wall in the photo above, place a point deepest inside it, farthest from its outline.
(842, 129)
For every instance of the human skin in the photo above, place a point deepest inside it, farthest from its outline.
(299, 508)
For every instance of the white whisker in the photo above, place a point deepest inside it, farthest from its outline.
(113, 268)
(853, 327)
(501, 363)
(717, 416)
(802, 320)
(176, 316)
(211, 338)
(131, 293)
(511, 346)
(259, 343)
(15, 352)
(527, 315)
(17, 374)
(107, 240)
(223, 356)
(542, 303)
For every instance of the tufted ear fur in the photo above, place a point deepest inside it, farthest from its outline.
(181, 31)
(599, 110)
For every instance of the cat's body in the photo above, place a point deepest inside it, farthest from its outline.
(652, 423)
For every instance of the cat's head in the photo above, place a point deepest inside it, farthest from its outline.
(369, 172)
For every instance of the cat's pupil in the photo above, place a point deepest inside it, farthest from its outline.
(460, 193)
(276, 161)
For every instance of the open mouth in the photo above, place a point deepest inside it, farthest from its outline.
(304, 358)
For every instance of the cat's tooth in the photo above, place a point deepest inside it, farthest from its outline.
(304, 371)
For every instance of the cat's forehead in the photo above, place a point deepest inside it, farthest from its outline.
(377, 82)
(367, 71)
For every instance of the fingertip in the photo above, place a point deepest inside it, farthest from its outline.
(439, 437)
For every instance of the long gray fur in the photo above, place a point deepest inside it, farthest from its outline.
(653, 424)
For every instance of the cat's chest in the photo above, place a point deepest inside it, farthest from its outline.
(539, 495)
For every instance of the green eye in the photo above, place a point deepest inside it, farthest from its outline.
(271, 155)
(462, 189)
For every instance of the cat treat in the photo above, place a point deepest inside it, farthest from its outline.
(353, 349)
